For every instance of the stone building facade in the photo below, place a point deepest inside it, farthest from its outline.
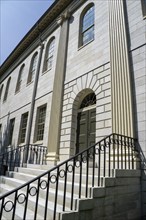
(78, 75)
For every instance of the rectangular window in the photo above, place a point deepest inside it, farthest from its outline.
(11, 129)
(23, 127)
(143, 5)
(40, 123)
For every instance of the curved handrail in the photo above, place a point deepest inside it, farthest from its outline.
(121, 148)
(18, 156)
(20, 147)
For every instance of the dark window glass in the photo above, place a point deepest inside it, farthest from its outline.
(7, 89)
(41, 115)
(11, 129)
(1, 91)
(23, 127)
(19, 80)
(143, 4)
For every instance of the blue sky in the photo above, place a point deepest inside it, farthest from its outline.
(16, 19)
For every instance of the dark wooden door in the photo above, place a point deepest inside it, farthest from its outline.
(86, 124)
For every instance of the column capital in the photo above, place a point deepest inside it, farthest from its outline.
(63, 17)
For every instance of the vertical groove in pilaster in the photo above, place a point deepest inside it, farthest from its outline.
(122, 120)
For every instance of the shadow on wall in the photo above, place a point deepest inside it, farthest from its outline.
(143, 179)
(5, 138)
(5, 146)
(142, 157)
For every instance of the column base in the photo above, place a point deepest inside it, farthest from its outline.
(52, 159)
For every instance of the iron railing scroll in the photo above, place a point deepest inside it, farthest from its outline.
(15, 158)
(83, 170)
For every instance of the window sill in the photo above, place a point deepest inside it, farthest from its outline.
(37, 143)
(17, 92)
(21, 144)
(43, 73)
(29, 83)
(85, 44)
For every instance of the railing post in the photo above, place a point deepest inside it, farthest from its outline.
(25, 155)
(65, 182)
(80, 179)
(99, 157)
(121, 152)
(109, 170)
(87, 171)
(72, 190)
(113, 151)
(104, 165)
(93, 170)
(56, 193)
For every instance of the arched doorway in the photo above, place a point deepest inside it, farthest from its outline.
(86, 123)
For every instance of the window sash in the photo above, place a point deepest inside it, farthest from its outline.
(32, 68)
(41, 115)
(88, 20)
(88, 26)
(24, 120)
(88, 35)
(49, 63)
(49, 55)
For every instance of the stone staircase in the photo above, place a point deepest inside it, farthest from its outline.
(119, 198)
(102, 201)
(22, 175)
(101, 182)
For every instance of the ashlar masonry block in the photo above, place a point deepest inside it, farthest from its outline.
(98, 192)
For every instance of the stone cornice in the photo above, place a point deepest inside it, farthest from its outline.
(55, 9)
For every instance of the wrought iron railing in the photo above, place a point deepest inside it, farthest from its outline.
(58, 189)
(16, 157)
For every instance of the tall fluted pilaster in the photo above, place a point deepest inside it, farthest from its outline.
(58, 89)
(122, 112)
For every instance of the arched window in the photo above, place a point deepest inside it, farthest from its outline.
(19, 80)
(90, 99)
(32, 69)
(1, 91)
(49, 55)
(7, 89)
(87, 25)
